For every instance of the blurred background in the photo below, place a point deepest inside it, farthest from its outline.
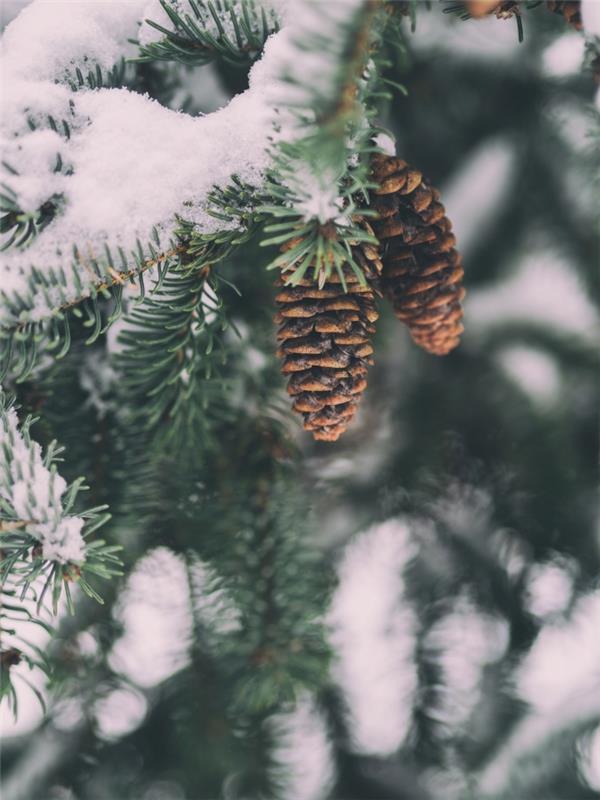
(433, 576)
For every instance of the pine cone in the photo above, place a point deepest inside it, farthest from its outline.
(324, 343)
(422, 272)
(570, 10)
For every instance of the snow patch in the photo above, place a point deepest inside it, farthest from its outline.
(34, 494)
(564, 56)
(562, 665)
(135, 166)
(536, 372)
(49, 38)
(373, 633)
(590, 15)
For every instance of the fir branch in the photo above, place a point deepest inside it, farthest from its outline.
(174, 346)
(257, 586)
(320, 167)
(272, 645)
(21, 226)
(44, 546)
(24, 336)
(96, 77)
(18, 226)
(232, 30)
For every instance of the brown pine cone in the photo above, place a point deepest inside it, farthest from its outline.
(422, 272)
(569, 9)
(324, 343)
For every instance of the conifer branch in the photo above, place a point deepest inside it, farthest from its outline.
(174, 346)
(320, 169)
(44, 547)
(203, 30)
(24, 336)
(277, 645)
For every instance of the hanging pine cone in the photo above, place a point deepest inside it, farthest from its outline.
(422, 272)
(570, 10)
(324, 343)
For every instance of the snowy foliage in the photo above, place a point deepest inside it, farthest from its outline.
(68, 35)
(110, 168)
(32, 492)
(373, 630)
(127, 166)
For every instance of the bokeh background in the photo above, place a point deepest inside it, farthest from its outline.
(455, 525)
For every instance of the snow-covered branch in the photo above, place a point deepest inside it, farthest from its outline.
(33, 496)
(99, 179)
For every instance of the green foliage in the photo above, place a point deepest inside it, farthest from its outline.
(329, 152)
(232, 30)
(26, 572)
(67, 295)
(172, 349)
(191, 445)
(272, 589)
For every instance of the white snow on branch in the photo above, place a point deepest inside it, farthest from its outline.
(306, 72)
(49, 38)
(590, 15)
(201, 15)
(560, 681)
(317, 194)
(563, 663)
(373, 631)
(463, 643)
(310, 62)
(33, 494)
(130, 167)
(135, 166)
(304, 752)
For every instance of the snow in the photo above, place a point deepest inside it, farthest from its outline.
(536, 372)
(565, 55)
(155, 613)
(476, 192)
(462, 643)
(135, 166)
(34, 158)
(34, 494)
(386, 143)
(559, 679)
(68, 34)
(543, 289)
(305, 74)
(304, 753)
(550, 587)
(9, 10)
(563, 663)
(488, 39)
(317, 195)
(155, 12)
(130, 167)
(120, 711)
(98, 378)
(590, 15)
(589, 759)
(373, 632)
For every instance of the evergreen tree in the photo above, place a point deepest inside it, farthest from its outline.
(221, 219)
